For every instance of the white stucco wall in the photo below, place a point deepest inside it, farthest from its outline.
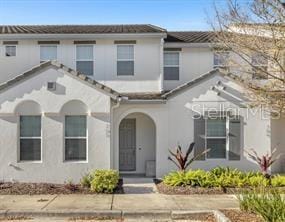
(278, 142)
(147, 62)
(53, 168)
(174, 125)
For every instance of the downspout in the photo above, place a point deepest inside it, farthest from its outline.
(112, 143)
(161, 65)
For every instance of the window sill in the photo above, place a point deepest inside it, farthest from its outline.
(30, 161)
(75, 161)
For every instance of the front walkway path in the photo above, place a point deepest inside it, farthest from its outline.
(139, 185)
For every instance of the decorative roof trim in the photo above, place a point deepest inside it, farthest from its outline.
(79, 76)
(186, 85)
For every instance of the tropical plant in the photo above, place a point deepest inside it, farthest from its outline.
(181, 160)
(270, 205)
(264, 161)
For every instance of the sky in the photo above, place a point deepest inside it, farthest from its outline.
(169, 14)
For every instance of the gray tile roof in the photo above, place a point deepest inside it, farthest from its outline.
(191, 37)
(79, 29)
(70, 71)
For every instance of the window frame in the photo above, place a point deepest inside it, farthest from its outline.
(215, 66)
(5, 50)
(226, 137)
(25, 137)
(179, 65)
(125, 60)
(41, 61)
(84, 60)
(64, 141)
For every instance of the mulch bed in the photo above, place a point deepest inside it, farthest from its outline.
(241, 216)
(188, 190)
(48, 188)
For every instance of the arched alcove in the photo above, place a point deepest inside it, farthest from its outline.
(74, 107)
(28, 107)
(137, 144)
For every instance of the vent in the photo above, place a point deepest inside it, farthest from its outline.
(51, 86)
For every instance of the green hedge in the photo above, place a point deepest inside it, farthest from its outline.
(221, 177)
(101, 181)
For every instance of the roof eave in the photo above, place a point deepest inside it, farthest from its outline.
(83, 36)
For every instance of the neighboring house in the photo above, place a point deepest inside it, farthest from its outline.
(138, 91)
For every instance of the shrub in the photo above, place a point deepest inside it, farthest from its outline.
(278, 181)
(222, 177)
(86, 180)
(269, 205)
(104, 181)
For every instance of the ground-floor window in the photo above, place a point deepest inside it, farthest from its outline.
(75, 138)
(30, 138)
(222, 137)
(216, 137)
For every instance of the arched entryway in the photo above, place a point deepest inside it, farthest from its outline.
(137, 142)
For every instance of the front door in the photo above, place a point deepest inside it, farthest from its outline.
(127, 145)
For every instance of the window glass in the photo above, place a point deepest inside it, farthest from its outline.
(260, 65)
(84, 52)
(10, 50)
(84, 57)
(125, 60)
(171, 58)
(86, 67)
(75, 138)
(216, 137)
(48, 52)
(171, 65)
(125, 52)
(218, 148)
(216, 127)
(30, 138)
(221, 59)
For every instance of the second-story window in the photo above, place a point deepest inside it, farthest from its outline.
(84, 59)
(259, 66)
(221, 59)
(10, 50)
(125, 60)
(48, 52)
(171, 65)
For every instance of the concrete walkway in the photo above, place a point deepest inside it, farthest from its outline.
(126, 202)
(141, 185)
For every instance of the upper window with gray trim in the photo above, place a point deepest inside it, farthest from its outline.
(171, 65)
(221, 59)
(125, 60)
(10, 50)
(48, 52)
(85, 59)
(259, 66)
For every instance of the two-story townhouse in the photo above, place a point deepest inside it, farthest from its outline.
(79, 97)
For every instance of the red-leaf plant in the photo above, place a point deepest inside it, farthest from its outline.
(264, 161)
(181, 160)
